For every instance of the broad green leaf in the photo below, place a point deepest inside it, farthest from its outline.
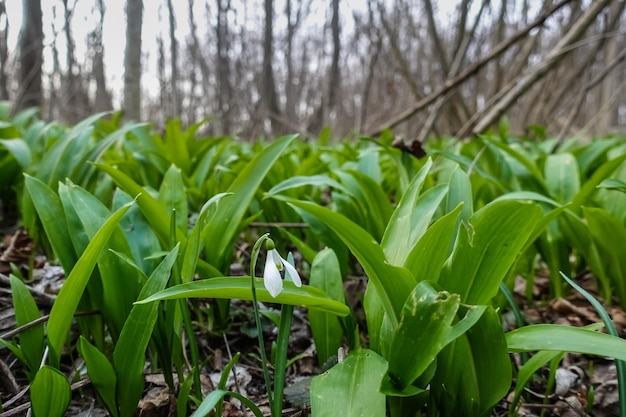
(599, 175)
(350, 388)
(519, 157)
(130, 350)
(32, 340)
(141, 238)
(554, 337)
(609, 235)
(613, 184)
(485, 252)
(460, 191)
(474, 371)
(50, 211)
(411, 217)
(223, 229)
(65, 305)
(20, 151)
(101, 374)
(562, 176)
(120, 284)
(301, 181)
(325, 328)
(50, 393)
(195, 242)
(210, 401)
(425, 322)
(176, 144)
(371, 199)
(239, 288)
(467, 163)
(156, 214)
(393, 284)
(172, 195)
(529, 195)
(525, 373)
(429, 254)
(85, 171)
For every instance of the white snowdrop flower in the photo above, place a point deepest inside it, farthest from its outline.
(274, 263)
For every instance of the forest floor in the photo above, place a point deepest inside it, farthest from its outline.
(579, 379)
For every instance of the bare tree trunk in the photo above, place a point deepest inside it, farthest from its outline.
(103, 97)
(132, 59)
(495, 52)
(333, 83)
(73, 110)
(174, 80)
(31, 55)
(270, 97)
(439, 50)
(224, 88)
(376, 42)
(163, 96)
(293, 24)
(609, 118)
(4, 52)
(537, 72)
(196, 56)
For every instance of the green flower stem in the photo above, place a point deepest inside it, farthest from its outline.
(282, 344)
(255, 255)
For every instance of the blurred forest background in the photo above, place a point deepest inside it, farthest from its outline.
(267, 67)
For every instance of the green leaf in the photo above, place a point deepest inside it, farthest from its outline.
(211, 400)
(50, 393)
(101, 374)
(350, 388)
(371, 199)
(156, 214)
(239, 288)
(223, 229)
(427, 257)
(195, 242)
(50, 211)
(20, 151)
(325, 328)
(130, 350)
(562, 176)
(613, 184)
(176, 144)
(484, 254)
(393, 284)
(172, 195)
(530, 165)
(120, 284)
(474, 371)
(32, 340)
(410, 219)
(609, 236)
(554, 337)
(65, 305)
(301, 181)
(460, 191)
(600, 174)
(425, 322)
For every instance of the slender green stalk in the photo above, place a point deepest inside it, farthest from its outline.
(255, 255)
(182, 305)
(282, 344)
(519, 318)
(610, 328)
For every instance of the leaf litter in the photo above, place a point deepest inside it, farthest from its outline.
(579, 379)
